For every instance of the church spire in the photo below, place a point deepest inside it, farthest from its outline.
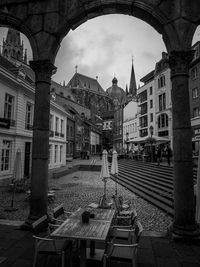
(12, 46)
(132, 86)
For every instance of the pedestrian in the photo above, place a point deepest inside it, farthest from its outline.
(168, 154)
(88, 154)
(158, 154)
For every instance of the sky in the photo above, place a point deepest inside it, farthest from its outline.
(104, 47)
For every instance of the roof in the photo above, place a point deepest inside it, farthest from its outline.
(62, 90)
(117, 93)
(85, 82)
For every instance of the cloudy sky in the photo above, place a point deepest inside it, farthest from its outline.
(104, 47)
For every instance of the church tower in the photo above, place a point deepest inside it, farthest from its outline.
(132, 86)
(13, 47)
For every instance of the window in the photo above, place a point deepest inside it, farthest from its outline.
(163, 121)
(61, 128)
(151, 103)
(143, 122)
(144, 108)
(61, 153)
(67, 130)
(161, 82)
(29, 116)
(162, 102)
(151, 90)
(56, 154)
(57, 126)
(71, 131)
(194, 73)
(196, 52)
(9, 107)
(6, 155)
(195, 112)
(195, 93)
(151, 117)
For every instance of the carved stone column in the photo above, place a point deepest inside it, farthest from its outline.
(184, 210)
(40, 146)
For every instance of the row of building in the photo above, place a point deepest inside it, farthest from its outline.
(84, 117)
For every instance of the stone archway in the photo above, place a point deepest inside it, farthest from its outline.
(47, 22)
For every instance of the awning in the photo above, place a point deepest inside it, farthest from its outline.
(145, 139)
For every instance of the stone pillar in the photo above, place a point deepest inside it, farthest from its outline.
(40, 146)
(184, 210)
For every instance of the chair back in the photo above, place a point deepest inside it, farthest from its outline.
(133, 217)
(102, 201)
(58, 211)
(40, 225)
(116, 204)
(138, 231)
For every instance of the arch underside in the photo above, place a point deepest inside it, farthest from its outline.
(48, 21)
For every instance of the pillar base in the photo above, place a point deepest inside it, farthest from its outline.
(180, 232)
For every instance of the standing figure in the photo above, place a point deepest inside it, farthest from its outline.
(168, 154)
(158, 153)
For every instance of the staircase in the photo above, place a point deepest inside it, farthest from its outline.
(149, 181)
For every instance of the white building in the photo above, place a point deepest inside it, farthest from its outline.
(163, 102)
(16, 123)
(130, 123)
(146, 96)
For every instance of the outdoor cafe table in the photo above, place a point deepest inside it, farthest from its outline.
(96, 230)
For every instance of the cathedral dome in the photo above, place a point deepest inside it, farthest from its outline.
(116, 93)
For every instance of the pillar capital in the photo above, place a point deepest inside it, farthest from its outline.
(43, 69)
(179, 62)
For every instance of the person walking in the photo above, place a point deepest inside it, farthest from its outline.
(168, 154)
(158, 153)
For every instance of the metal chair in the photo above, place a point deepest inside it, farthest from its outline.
(122, 231)
(59, 211)
(126, 250)
(46, 245)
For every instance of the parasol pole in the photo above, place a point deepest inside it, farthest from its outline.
(116, 176)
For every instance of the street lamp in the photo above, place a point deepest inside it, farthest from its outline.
(127, 135)
(151, 141)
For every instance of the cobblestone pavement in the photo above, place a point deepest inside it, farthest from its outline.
(79, 189)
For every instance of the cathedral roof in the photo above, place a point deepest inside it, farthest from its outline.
(62, 90)
(116, 93)
(84, 82)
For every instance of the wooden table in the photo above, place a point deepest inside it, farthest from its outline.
(96, 230)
